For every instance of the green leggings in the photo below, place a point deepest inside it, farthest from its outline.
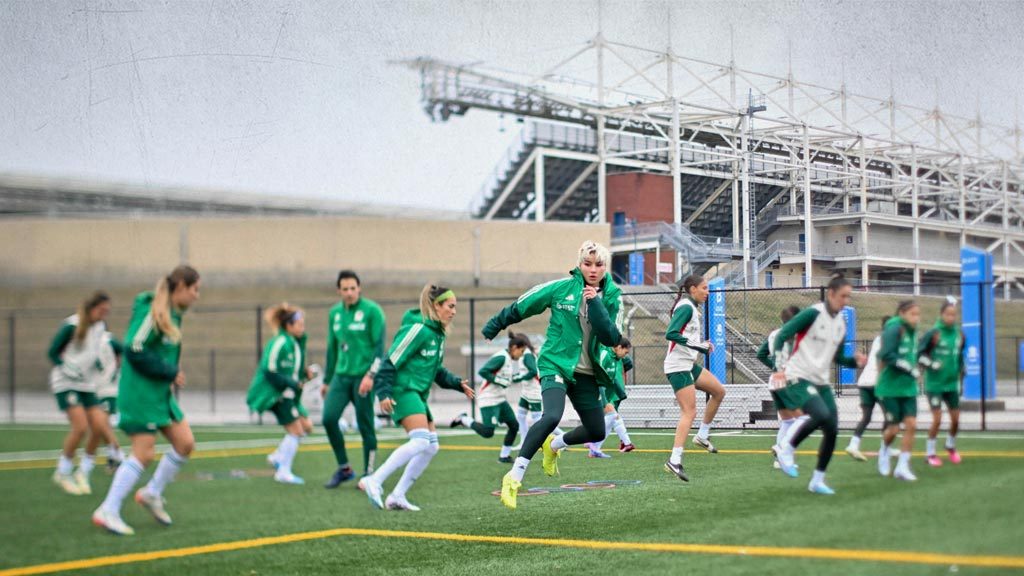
(345, 389)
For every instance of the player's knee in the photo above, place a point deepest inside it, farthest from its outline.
(433, 448)
(185, 447)
(486, 432)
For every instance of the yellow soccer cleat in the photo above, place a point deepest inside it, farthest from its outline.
(67, 483)
(550, 461)
(510, 491)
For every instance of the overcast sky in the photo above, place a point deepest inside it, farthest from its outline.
(298, 97)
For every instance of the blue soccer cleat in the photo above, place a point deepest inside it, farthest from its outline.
(820, 488)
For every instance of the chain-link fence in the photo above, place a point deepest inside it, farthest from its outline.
(222, 346)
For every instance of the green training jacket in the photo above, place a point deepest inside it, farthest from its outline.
(415, 360)
(898, 356)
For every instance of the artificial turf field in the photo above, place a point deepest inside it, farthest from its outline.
(736, 516)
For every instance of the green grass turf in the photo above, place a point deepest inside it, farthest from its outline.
(974, 508)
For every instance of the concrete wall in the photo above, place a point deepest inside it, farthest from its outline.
(289, 250)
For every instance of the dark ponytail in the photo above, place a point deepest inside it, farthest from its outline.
(689, 282)
(788, 312)
(520, 340)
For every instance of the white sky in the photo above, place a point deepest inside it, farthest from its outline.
(298, 97)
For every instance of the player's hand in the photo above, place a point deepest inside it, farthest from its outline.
(387, 405)
(468, 390)
(860, 358)
(366, 386)
(323, 390)
(711, 346)
(179, 379)
(288, 393)
(589, 292)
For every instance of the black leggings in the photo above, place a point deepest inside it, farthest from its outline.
(865, 419)
(488, 431)
(591, 430)
(820, 417)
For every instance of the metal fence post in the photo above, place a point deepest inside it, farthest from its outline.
(984, 369)
(10, 362)
(213, 380)
(259, 333)
(472, 353)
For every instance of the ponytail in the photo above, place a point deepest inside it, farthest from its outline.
(520, 340)
(160, 309)
(84, 321)
(281, 315)
(684, 289)
(428, 296)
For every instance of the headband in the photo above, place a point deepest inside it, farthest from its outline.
(444, 296)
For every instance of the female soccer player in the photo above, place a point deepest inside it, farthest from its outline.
(766, 354)
(866, 388)
(585, 310)
(942, 350)
(617, 363)
(897, 387)
(529, 409)
(819, 333)
(106, 390)
(355, 345)
(498, 373)
(684, 374)
(75, 353)
(146, 400)
(277, 385)
(402, 385)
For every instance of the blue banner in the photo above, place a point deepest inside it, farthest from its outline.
(849, 375)
(979, 323)
(716, 327)
(636, 269)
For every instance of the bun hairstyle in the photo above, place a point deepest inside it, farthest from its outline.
(838, 281)
(625, 343)
(281, 315)
(788, 312)
(905, 305)
(84, 321)
(160, 309)
(691, 281)
(429, 296)
(949, 303)
(520, 340)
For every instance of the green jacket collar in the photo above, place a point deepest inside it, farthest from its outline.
(414, 315)
(607, 284)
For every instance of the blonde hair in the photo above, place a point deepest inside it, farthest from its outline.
(84, 321)
(160, 309)
(428, 295)
(280, 315)
(598, 250)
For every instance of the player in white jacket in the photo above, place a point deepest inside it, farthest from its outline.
(866, 388)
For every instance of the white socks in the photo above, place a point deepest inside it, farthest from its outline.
(784, 426)
(620, 430)
(558, 443)
(929, 447)
(416, 466)
(950, 442)
(466, 421)
(114, 453)
(793, 429)
(704, 430)
(506, 451)
(855, 443)
(903, 463)
(419, 440)
(286, 451)
(86, 464)
(519, 469)
(818, 477)
(166, 470)
(521, 414)
(65, 465)
(128, 473)
(677, 455)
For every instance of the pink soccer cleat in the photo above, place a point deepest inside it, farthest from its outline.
(934, 461)
(623, 447)
(954, 456)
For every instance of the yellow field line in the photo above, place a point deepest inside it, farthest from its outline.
(233, 452)
(891, 556)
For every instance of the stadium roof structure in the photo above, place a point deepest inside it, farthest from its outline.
(740, 146)
(34, 196)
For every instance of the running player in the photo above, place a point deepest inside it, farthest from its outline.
(106, 390)
(277, 385)
(685, 374)
(617, 363)
(498, 373)
(146, 400)
(942, 350)
(819, 332)
(897, 387)
(355, 345)
(402, 384)
(866, 389)
(75, 353)
(585, 314)
(766, 354)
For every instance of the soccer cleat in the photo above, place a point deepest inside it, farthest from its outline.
(67, 483)
(286, 477)
(597, 454)
(510, 490)
(550, 460)
(677, 469)
(112, 464)
(155, 505)
(884, 465)
(856, 454)
(705, 443)
(623, 447)
(273, 461)
(395, 503)
(111, 522)
(820, 488)
(505, 459)
(457, 421)
(786, 463)
(82, 479)
(904, 474)
(342, 474)
(934, 461)
(373, 491)
(954, 455)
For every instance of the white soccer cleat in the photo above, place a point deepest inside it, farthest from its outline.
(904, 474)
(373, 491)
(395, 503)
(884, 465)
(286, 477)
(155, 505)
(273, 461)
(82, 479)
(111, 522)
(67, 483)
